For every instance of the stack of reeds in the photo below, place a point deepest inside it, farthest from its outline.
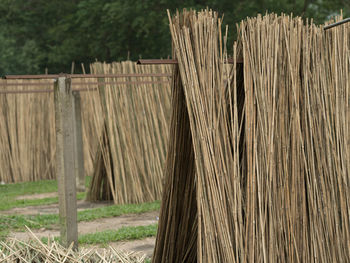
(257, 171)
(27, 139)
(125, 129)
(91, 114)
(135, 117)
(27, 130)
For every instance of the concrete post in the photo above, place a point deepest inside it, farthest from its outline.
(78, 136)
(65, 161)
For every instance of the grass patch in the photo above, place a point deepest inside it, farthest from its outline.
(117, 210)
(9, 192)
(50, 221)
(26, 188)
(122, 234)
(33, 202)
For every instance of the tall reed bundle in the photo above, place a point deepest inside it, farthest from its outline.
(135, 116)
(27, 139)
(27, 132)
(296, 80)
(197, 220)
(92, 122)
(259, 177)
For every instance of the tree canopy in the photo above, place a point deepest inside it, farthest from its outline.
(39, 34)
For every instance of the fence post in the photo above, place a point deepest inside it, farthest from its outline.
(65, 158)
(78, 136)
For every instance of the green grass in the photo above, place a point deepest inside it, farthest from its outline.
(50, 221)
(38, 187)
(8, 223)
(117, 210)
(9, 192)
(12, 203)
(122, 234)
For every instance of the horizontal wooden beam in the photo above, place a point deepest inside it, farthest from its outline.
(156, 61)
(171, 61)
(74, 76)
(79, 84)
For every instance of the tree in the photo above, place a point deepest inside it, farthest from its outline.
(35, 34)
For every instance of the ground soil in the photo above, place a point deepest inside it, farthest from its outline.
(145, 246)
(36, 196)
(50, 209)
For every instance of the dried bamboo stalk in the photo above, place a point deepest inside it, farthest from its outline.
(270, 155)
(133, 146)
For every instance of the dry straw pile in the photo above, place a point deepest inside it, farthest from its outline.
(257, 171)
(35, 251)
(133, 116)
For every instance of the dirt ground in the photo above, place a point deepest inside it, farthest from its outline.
(37, 196)
(144, 246)
(50, 209)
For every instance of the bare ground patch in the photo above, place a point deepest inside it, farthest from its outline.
(37, 196)
(50, 209)
(144, 246)
(102, 224)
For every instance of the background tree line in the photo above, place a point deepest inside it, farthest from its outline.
(39, 34)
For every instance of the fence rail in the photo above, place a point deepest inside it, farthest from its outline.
(74, 76)
(73, 83)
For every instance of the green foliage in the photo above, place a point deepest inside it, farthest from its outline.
(15, 60)
(36, 34)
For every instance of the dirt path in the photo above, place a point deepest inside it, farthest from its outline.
(50, 209)
(144, 246)
(111, 223)
(37, 196)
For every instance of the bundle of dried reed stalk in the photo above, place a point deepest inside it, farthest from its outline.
(27, 131)
(257, 172)
(27, 139)
(135, 116)
(296, 80)
(92, 122)
(196, 219)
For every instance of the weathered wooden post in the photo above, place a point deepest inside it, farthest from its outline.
(65, 159)
(78, 137)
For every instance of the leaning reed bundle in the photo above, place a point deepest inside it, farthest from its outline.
(259, 177)
(27, 131)
(91, 130)
(27, 139)
(296, 80)
(135, 116)
(196, 221)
